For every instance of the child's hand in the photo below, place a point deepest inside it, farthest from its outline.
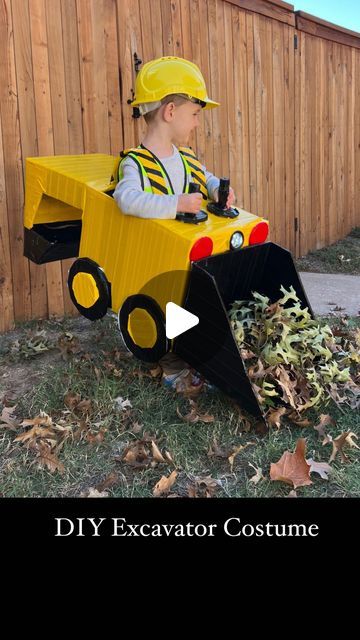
(231, 197)
(189, 203)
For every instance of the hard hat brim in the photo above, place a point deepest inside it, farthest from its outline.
(209, 104)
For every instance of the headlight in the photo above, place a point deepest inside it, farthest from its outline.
(236, 240)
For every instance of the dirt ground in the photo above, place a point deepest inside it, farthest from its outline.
(27, 350)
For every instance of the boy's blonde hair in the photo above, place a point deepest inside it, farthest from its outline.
(173, 97)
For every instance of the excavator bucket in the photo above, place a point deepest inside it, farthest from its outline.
(215, 283)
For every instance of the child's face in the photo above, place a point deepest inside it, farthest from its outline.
(186, 117)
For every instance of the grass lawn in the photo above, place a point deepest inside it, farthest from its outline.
(341, 257)
(78, 373)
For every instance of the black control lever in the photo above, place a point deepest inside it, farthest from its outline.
(193, 218)
(219, 208)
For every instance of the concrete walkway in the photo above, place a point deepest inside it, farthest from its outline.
(328, 291)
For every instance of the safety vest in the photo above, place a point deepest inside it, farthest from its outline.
(151, 167)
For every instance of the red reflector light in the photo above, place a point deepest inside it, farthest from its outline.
(259, 233)
(201, 249)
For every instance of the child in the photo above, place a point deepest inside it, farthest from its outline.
(154, 178)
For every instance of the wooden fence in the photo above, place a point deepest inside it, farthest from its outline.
(287, 132)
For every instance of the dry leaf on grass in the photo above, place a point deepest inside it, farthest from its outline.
(145, 453)
(202, 487)
(258, 475)
(34, 433)
(229, 452)
(122, 403)
(136, 427)
(292, 468)
(95, 438)
(41, 419)
(349, 440)
(164, 485)
(322, 468)
(273, 417)
(47, 459)
(157, 455)
(94, 493)
(108, 482)
(232, 457)
(325, 420)
(7, 421)
(338, 444)
(194, 415)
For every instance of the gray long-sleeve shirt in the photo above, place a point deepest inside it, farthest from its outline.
(133, 201)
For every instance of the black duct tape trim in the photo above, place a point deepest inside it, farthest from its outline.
(161, 346)
(99, 309)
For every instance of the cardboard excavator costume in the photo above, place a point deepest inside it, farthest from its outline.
(135, 266)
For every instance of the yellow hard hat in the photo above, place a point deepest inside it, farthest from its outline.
(164, 76)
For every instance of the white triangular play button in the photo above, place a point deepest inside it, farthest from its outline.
(178, 320)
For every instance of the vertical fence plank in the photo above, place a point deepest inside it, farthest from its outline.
(270, 120)
(6, 279)
(44, 125)
(215, 85)
(238, 178)
(244, 109)
(251, 110)
(13, 174)
(176, 28)
(332, 142)
(357, 139)
(257, 150)
(127, 75)
(289, 136)
(297, 93)
(322, 145)
(168, 43)
(156, 28)
(203, 31)
(351, 142)
(279, 117)
(112, 77)
(149, 29)
(264, 116)
(224, 109)
(93, 76)
(234, 148)
(28, 132)
(58, 92)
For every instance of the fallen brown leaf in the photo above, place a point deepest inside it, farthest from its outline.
(157, 455)
(274, 417)
(202, 487)
(35, 432)
(6, 419)
(322, 468)
(258, 474)
(164, 485)
(47, 459)
(338, 444)
(325, 420)
(292, 468)
(108, 482)
(194, 415)
(232, 457)
(94, 493)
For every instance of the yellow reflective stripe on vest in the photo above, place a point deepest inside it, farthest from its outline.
(195, 169)
(151, 169)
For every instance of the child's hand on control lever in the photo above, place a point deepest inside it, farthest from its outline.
(189, 203)
(230, 199)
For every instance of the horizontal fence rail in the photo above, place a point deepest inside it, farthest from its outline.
(287, 132)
